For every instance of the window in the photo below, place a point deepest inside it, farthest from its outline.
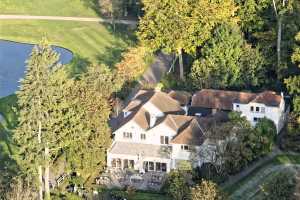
(143, 136)
(237, 107)
(128, 164)
(185, 147)
(116, 163)
(158, 166)
(251, 108)
(255, 119)
(155, 166)
(151, 166)
(164, 139)
(127, 135)
(263, 109)
(257, 109)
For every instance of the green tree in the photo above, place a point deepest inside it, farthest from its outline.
(246, 143)
(293, 82)
(227, 61)
(281, 187)
(112, 9)
(206, 190)
(265, 131)
(32, 134)
(176, 185)
(182, 25)
(91, 96)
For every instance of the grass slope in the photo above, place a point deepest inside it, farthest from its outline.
(76, 8)
(92, 41)
(281, 160)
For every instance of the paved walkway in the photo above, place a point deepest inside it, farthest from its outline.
(61, 18)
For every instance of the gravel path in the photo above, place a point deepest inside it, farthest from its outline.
(61, 18)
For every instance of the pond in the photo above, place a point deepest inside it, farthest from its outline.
(12, 63)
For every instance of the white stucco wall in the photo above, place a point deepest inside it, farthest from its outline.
(272, 113)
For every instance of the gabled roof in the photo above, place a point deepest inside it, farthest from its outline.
(138, 113)
(220, 99)
(190, 134)
(160, 100)
(181, 96)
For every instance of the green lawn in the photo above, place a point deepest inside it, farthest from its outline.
(280, 160)
(89, 40)
(82, 8)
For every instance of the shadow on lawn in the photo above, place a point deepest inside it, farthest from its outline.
(125, 38)
(93, 4)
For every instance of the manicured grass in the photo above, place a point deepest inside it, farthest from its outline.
(86, 8)
(149, 196)
(284, 159)
(88, 40)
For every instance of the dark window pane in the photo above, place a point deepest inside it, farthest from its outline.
(131, 164)
(166, 140)
(257, 109)
(162, 139)
(252, 108)
(163, 167)
(158, 166)
(151, 166)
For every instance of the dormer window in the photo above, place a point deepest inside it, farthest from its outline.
(126, 113)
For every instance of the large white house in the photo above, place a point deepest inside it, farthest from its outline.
(155, 134)
(251, 105)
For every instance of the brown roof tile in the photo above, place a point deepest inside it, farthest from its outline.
(181, 96)
(221, 99)
(190, 134)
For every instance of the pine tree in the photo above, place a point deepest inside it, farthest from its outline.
(31, 134)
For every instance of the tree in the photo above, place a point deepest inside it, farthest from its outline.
(111, 8)
(281, 187)
(245, 143)
(176, 185)
(227, 61)
(206, 190)
(265, 131)
(185, 25)
(91, 97)
(20, 190)
(31, 134)
(293, 82)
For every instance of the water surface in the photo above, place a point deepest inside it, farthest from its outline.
(12, 63)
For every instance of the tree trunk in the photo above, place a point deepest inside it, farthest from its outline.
(279, 33)
(40, 166)
(40, 182)
(47, 188)
(181, 70)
